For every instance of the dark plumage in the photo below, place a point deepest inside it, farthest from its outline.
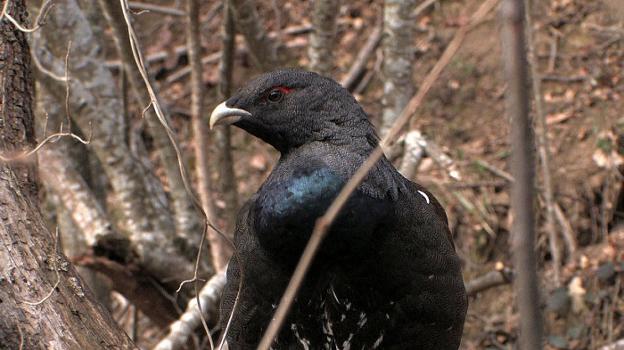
(386, 276)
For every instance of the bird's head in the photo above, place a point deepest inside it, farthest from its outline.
(289, 108)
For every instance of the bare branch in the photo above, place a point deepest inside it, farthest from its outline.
(617, 345)
(522, 168)
(324, 222)
(542, 146)
(359, 65)
(496, 278)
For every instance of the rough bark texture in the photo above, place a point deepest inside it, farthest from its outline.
(323, 37)
(17, 92)
(263, 50)
(398, 49)
(187, 219)
(227, 176)
(140, 209)
(69, 318)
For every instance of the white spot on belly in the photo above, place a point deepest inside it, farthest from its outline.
(424, 195)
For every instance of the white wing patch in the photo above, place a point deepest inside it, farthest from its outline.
(424, 195)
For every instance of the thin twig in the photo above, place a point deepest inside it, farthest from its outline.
(324, 222)
(21, 336)
(54, 137)
(45, 7)
(543, 151)
(494, 170)
(51, 138)
(136, 5)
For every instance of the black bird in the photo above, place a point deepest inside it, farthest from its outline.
(386, 276)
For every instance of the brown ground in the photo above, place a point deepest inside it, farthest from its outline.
(464, 113)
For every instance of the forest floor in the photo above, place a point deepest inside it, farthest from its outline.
(580, 53)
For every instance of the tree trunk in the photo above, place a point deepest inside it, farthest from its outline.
(68, 318)
(323, 37)
(263, 50)
(398, 49)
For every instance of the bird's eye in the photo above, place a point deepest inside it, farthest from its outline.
(275, 95)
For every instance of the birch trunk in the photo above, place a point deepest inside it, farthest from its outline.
(323, 36)
(398, 49)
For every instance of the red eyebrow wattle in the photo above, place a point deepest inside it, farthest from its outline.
(284, 89)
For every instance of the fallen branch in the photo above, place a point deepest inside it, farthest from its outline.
(185, 325)
(413, 152)
(136, 286)
(492, 279)
(617, 345)
(566, 229)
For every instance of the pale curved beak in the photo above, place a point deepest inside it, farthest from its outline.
(224, 115)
